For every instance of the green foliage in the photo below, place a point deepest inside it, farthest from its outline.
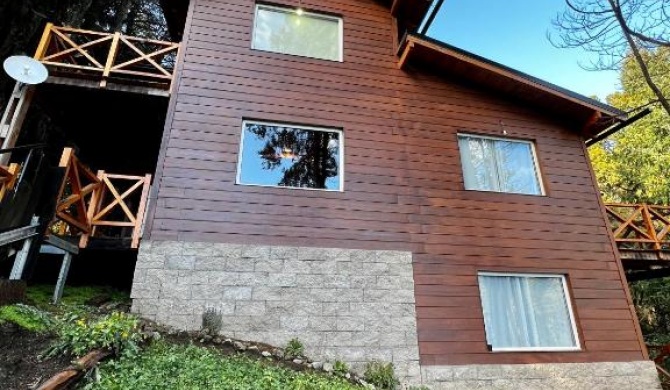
(165, 366)
(381, 375)
(77, 334)
(634, 164)
(652, 302)
(294, 348)
(41, 295)
(340, 368)
(418, 388)
(26, 317)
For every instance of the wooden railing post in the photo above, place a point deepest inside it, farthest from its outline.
(651, 231)
(111, 58)
(44, 42)
(141, 209)
(8, 183)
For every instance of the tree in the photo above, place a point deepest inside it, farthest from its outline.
(616, 30)
(634, 166)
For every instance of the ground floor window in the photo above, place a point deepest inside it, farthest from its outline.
(527, 312)
(290, 156)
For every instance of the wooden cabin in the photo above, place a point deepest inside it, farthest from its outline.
(328, 174)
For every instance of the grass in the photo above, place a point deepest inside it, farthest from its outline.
(41, 295)
(26, 317)
(195, 368)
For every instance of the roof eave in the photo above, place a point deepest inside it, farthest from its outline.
(600, 115)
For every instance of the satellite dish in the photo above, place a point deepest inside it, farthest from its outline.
(26, 70)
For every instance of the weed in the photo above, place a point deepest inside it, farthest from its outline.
(294, 348)
(340, 368)
(381, 375)
(212, 320)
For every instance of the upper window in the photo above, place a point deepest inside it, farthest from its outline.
(501, 165)
(289, 31)
(527, 312)
(290, 156)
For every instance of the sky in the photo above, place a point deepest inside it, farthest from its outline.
(514, 33)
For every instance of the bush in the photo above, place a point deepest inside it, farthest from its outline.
(294, 348)
(166, 366)
(381, 375)
(77, 334)
(26, 317)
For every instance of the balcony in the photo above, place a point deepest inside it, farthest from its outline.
(108, 60)
(642, 235)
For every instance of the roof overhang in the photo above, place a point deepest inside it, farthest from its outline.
(591, 115)
(409, 12)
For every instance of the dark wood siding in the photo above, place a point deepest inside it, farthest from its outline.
(403, 181)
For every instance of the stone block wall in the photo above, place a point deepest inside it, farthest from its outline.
(564, 376)
(350, 305)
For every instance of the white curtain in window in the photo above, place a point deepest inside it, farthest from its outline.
(526, 312)
(498, 165)
(307, 35)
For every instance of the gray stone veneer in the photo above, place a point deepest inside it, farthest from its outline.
(351, 305)
(565, 376)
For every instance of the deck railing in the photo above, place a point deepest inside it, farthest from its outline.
(99, 206)
(108, 56)
(8, 175)
(640, 227)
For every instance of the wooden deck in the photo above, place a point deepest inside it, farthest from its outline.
(108, 60)
(642, 234)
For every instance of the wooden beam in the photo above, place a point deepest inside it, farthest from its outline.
(405, 55)
(593, 119)
(111, 86)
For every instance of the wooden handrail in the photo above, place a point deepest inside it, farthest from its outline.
(78, 185)
(640, 226)
(109, 198)
(109, 55)
(88, 202)
(8, 176)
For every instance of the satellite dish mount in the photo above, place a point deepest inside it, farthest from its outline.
(25, 70)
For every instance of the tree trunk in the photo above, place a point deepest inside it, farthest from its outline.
(638, 57)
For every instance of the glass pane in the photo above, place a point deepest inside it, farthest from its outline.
(308, 35)
(526, 312)
(516, 167)
(498, 165)
(288, 156)
(478, 160)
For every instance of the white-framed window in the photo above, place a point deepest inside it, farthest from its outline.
(527, 312)
(293, 156)
(289, 31)
(499, 164)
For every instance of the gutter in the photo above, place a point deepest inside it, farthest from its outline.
(431, 18)
(611, 130)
